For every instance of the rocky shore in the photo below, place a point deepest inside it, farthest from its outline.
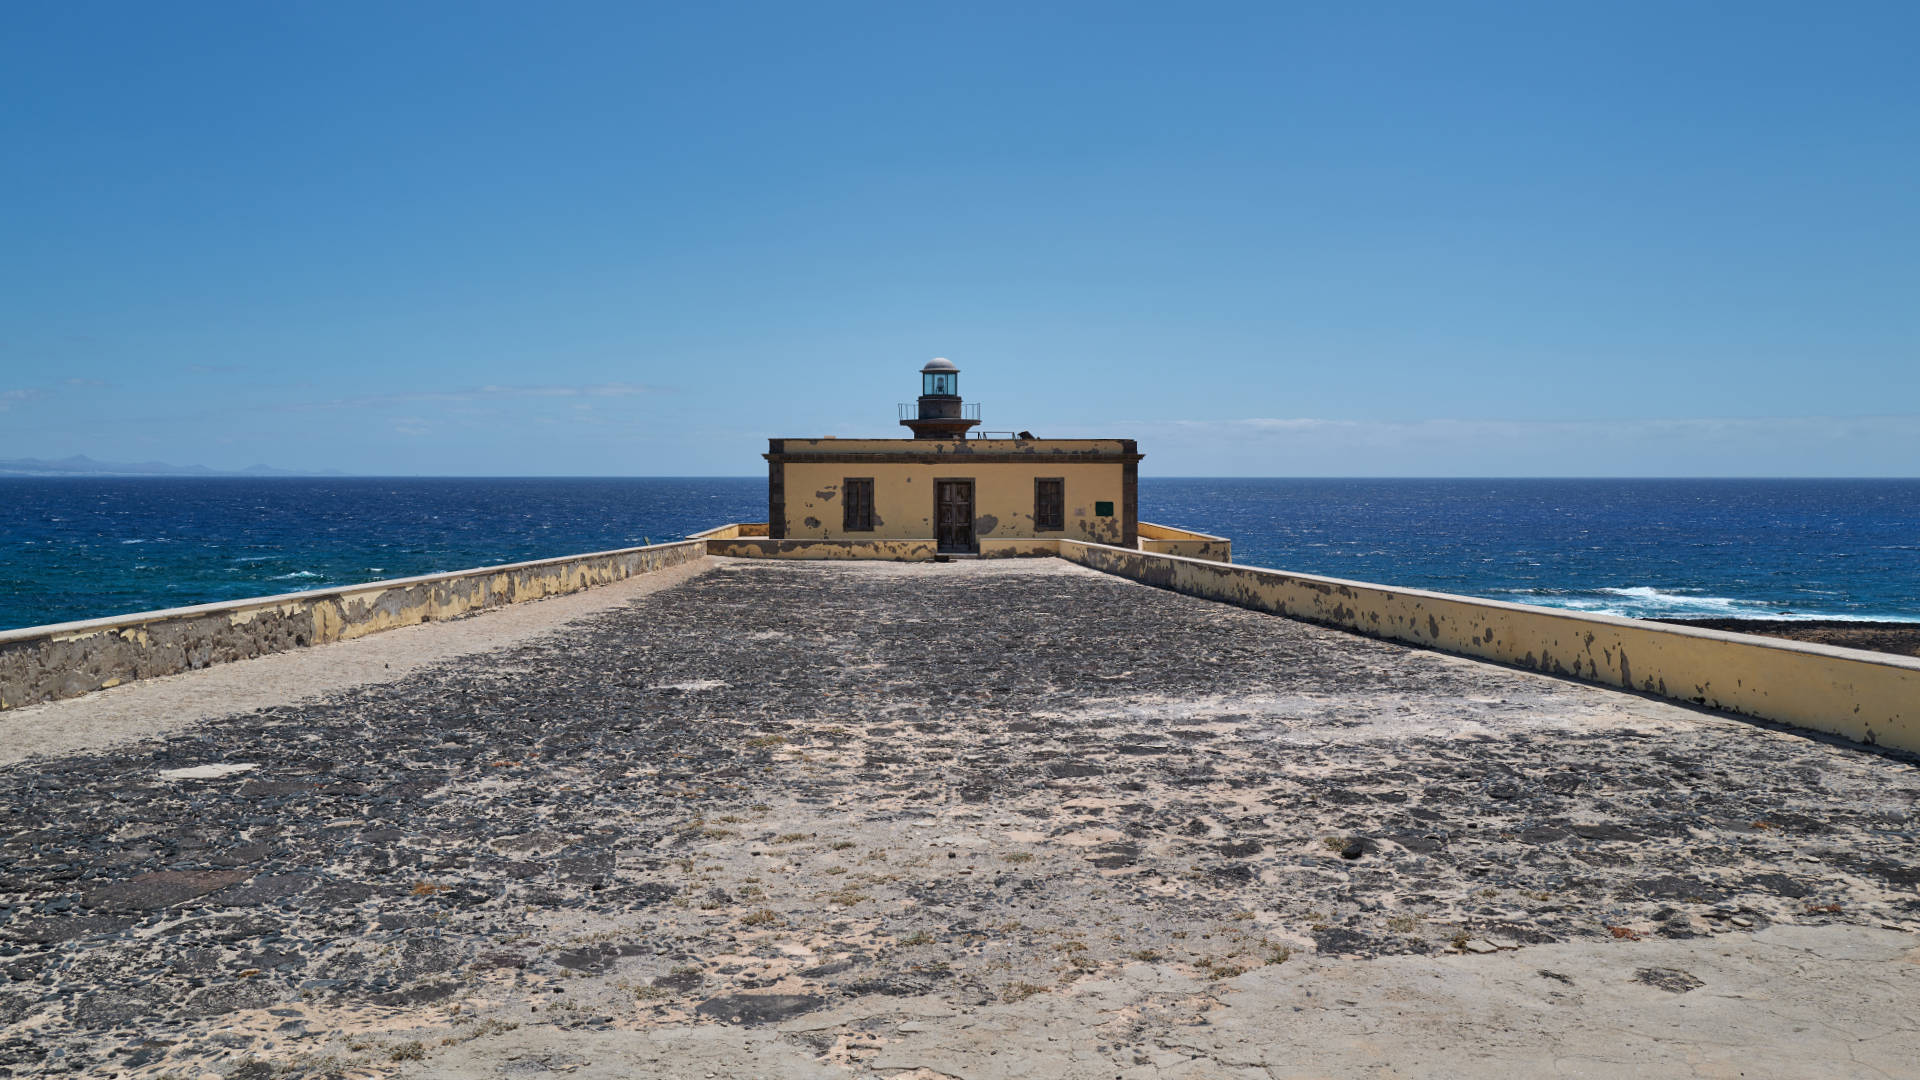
(1902, 638)
(891, 819)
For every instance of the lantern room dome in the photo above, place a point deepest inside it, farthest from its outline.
(939, 363)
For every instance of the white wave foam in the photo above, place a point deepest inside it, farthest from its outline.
(295, 574)
(1660, 600)
(1647, 602)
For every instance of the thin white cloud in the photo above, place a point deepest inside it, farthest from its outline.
(1462, 428)
(479, 394)
(1883, 445)
(9, 397)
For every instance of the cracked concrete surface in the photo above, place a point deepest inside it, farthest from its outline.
(972, 820)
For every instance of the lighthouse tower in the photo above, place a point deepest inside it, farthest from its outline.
(941, 414)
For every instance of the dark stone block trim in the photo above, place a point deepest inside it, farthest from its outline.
(776, 489)
(778, 458)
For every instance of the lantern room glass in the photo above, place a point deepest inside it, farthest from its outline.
(940, 383)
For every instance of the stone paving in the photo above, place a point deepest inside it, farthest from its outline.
(793, 819)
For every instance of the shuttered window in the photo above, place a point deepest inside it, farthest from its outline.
(856, 500)
(1049, 505)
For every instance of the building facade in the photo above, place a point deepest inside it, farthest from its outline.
(980, 495)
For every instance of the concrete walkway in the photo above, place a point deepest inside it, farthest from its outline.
(976, 819)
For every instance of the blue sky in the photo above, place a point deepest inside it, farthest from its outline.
(631, 239)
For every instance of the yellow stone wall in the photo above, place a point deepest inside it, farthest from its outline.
(1002, 498)
(1870, 697)
(959, 448)
(45, 663)
(1168, 540)
(917, 550)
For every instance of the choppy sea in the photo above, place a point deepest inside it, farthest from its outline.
(76, 548)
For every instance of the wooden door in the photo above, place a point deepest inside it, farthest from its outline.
(953, 514)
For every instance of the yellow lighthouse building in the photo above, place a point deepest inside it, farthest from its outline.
(950, 491)
(983, 494)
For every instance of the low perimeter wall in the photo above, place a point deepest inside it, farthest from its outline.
(1870, 697)
(759, 548)
(1172, 540)
(41, 663)
(732, 531)
(749, 541)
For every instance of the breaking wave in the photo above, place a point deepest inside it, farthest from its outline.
(1647, 602)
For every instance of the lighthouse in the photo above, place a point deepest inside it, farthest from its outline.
(940, 414)
(948, 491)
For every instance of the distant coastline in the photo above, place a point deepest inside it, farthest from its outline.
(81, 465)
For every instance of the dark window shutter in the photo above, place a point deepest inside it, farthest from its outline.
(856, 502)
(1049, 504)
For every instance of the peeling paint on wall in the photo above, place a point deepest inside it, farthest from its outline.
(1018, 548)
(911, 550)
(1168, 540)
(51, 662)
(903, 509)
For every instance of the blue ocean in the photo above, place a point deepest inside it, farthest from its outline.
(76, 548)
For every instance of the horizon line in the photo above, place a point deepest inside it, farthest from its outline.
(294, 475)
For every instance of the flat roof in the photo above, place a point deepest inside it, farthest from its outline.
(932, 811)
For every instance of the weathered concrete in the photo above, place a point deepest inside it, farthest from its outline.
(46, 663)
(805, 476)
(748, 540)
(732, 531)
(166, 704)
(1867, 696)
(988, 818)
(1186, 543)
(756, 548)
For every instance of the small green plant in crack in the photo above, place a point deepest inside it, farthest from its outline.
(1020, 991)
(1220, 967)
